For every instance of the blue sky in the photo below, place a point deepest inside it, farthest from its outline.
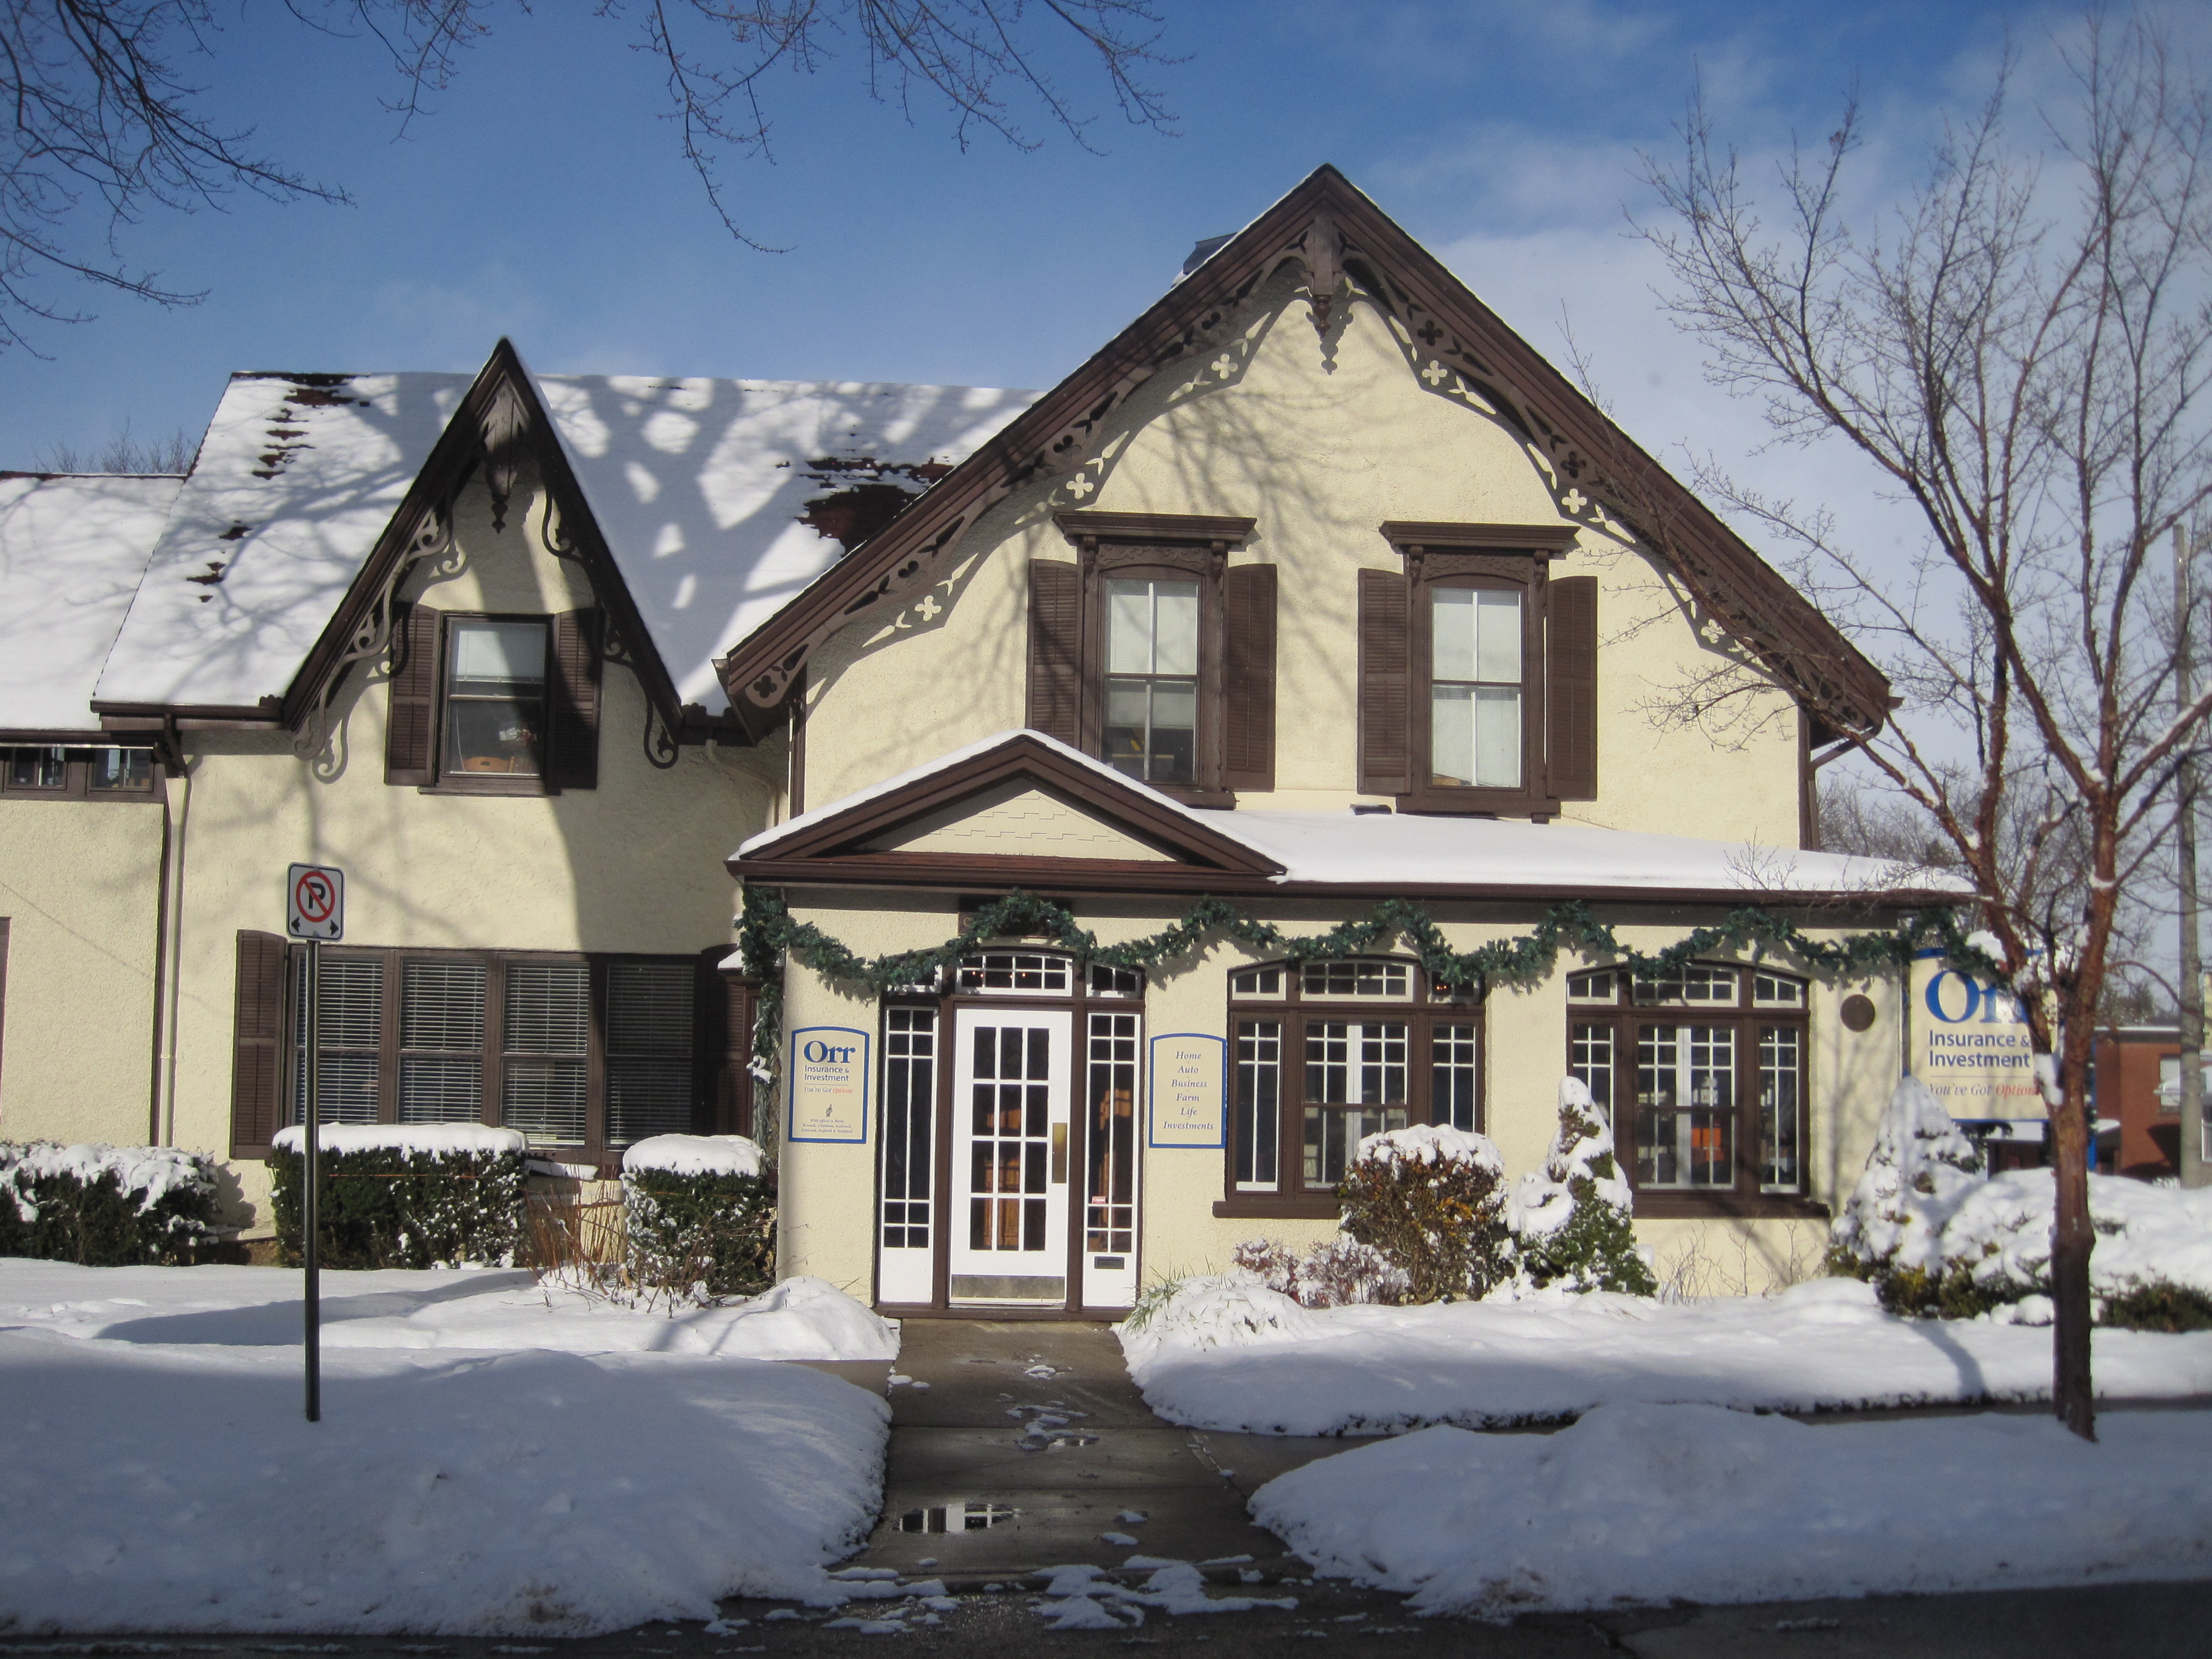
(545, 200)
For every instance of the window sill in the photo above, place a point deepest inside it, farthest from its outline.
(1477, 803)
(489, 783)
(1701, 1207)
(1274, 1206)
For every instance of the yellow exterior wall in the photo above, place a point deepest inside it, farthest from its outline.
(1321, 443)
(635, 864)
(78, 883)
(828, 1191)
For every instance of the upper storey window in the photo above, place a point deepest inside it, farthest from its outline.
(496, 698)
(1152, 678)
(1151, 652)
(494, 705)
(1478, 672)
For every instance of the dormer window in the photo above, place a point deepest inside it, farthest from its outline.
(495, 719)
(494, 705)
(1152, 652)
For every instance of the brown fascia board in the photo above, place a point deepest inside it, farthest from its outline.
(1131, 808)
(1851, 685)
(459, 449)
(136, 716)
(64, 737)
(1554, 537)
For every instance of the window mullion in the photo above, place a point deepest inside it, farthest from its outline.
(494, 1039)
(387, 1063)
(595, 1058)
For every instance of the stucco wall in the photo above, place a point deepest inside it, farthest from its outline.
(78, 884)
(1320, 442)
(829, 1191)
(635, 864)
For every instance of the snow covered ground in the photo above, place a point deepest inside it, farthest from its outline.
(492, 1459)
(1245, 1359)
(1640, 1504)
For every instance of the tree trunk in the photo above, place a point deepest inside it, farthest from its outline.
(2072, 1394)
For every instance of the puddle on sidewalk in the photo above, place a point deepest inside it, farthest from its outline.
(955, 1516)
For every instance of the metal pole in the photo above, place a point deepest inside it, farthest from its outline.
(2192, 965)
(311, 1220)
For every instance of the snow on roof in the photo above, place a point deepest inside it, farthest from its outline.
(297, 478)
(703, 488)
(72, 548)
(1365, 849)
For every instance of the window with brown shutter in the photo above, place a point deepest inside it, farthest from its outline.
(495, 705)
(576, 700)
(725, 1002)
(1572, 667)
(1247, 679)
(1128, 657)
(1458, 675)
(256, 1055)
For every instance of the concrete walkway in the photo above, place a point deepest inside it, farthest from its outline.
(1019, 1446)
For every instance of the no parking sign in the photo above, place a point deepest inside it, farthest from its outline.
(314, 902)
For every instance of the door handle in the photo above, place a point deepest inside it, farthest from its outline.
(1060, 1154)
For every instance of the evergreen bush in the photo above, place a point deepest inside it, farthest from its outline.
(1431, 1199)
(701, 1213)
(106, 1206)
(405, 1195)
(1572, 1221)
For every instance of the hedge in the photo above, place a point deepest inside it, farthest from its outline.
(403, 1195)
(106, 1206)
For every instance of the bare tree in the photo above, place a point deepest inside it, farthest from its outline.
(124, 453)
(2021, 349)
(107, 130)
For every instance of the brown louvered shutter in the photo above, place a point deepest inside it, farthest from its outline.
(1572, 688)
(411, 729)
(1056, 650)
(725, 1040)
(257, 1050)
(576, 700)
(1385, 691)
(1247, 679)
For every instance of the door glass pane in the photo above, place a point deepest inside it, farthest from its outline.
(1259, 1096)
(1452, 1077)
(1110, 1136)
(909, 1097)
(1009, 1110)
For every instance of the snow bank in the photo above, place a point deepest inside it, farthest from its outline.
(437, 1140)
(1644, 1504)
(1230, 1310)
(152, 1486)
(800, 1319)
(1372, 1370)
(695, 1155)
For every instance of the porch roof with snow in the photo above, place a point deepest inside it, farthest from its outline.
(72, 548)
(909, 832)
(690, 498)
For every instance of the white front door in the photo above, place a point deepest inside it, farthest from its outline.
(1012, 1069)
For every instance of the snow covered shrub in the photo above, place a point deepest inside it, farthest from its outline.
(1938, 1239)
(1431, 1199)
(1333, 1274)
(105, 1206)
(1571, 1219)
(405, 1194)
(1211, 1310)
(701, 1215)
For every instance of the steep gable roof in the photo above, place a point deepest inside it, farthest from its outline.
(72, 549)
(1456, 346)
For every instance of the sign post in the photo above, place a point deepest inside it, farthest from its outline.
(315, 910)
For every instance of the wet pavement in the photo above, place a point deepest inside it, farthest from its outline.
(1023, 1446)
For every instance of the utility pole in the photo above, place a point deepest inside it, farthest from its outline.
(2192, 965)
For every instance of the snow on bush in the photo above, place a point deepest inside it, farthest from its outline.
(1431, 1199)
(1211, 1310)
(1572, 1221)
(1936, 1237)
(1336, 1273)
(700, 1215)
(405, 1194)
(105, 1206)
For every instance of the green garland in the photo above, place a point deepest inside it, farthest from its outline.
(766, 933)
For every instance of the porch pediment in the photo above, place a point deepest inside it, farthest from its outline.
(1018, 808)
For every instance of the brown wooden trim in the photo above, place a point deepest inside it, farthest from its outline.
(1269, 1207)
(1712, 1206)
(964, 872)
(999, 1316)
(1153, 527)
(795, 770)
(1725, 574)
(1128, 805)
(1407, 535)
(1425, 574)
(3, 1006)
(148, 717)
